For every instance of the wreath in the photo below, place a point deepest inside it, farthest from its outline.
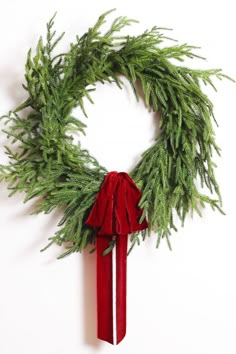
(48, 165)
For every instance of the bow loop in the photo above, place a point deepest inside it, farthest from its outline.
(116, 210)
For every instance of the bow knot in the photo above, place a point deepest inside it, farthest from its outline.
(116, 211)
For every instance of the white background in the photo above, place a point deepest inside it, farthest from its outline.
(179, 302)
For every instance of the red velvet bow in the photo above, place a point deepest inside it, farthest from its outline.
(115, 212)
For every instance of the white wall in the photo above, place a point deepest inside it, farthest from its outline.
(179, 302)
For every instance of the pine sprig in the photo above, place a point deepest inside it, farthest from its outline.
(45, 163)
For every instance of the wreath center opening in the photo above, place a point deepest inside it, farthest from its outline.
(119, 128)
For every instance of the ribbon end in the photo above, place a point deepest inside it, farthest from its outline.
(121, 336)
(106, 339)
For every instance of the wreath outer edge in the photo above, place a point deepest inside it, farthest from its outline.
(47, 165)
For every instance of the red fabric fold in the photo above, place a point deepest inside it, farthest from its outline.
(115, 212)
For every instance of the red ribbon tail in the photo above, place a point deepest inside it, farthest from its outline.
(121, 275)
(105, 289)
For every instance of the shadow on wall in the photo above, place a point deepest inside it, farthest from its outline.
(11, 85)
(89, 300)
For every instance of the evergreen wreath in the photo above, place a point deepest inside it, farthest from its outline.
(48, 165)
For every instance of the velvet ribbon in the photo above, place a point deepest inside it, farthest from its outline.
(114, 213)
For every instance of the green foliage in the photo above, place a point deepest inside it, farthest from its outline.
(46, 164)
